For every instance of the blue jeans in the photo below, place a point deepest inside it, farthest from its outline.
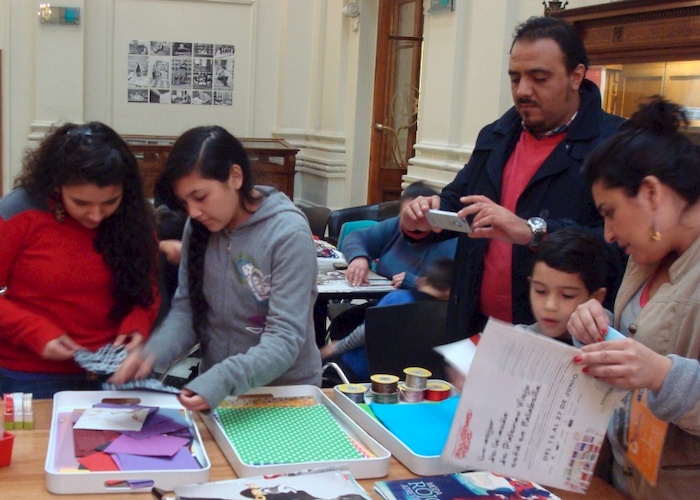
(45, 385)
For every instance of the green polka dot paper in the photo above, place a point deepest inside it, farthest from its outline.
(283, 435)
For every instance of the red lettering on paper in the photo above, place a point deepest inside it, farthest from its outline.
(465, 438)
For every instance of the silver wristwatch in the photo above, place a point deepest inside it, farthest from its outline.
(538, 226)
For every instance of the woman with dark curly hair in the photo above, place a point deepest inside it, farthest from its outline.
(77, 260)
(247, 283)
(645, 185)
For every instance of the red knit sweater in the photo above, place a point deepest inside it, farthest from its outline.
(56, 283)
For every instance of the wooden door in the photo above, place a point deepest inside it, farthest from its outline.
(395, 105)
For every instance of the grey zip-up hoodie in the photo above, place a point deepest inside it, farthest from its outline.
(260, 286)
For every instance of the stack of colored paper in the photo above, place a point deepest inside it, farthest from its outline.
(122, 437)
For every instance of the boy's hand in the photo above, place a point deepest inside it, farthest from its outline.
(357, 271)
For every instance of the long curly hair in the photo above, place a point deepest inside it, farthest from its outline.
(211, 151)
(93, 153)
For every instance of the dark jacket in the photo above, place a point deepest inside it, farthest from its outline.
(556, 193)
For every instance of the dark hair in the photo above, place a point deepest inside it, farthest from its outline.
(438, 274)
(575, 251)
(93, 153)
(416, 189)
(211, 151)
(558, 30)
(649, 143)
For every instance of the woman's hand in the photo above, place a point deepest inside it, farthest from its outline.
(131, 341)
(624, 363)
(192, 401)
(357, 271)
(60, 349)
(135, 366)
(588, 323)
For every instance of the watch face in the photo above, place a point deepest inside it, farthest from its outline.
(537, 224)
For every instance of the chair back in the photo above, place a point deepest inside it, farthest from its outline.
(343, 215)
(350, 226)
(318, 219)
(397, 337)
(377, 211)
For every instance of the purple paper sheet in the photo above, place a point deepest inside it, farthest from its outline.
(183, 460)
(157, 424)
(154, 446)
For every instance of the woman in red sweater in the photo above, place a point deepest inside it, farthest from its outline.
(77, 260)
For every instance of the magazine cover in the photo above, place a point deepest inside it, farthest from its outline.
(462, 485)
(319, 484)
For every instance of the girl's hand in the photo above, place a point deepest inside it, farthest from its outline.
(328, 350)
(60, 349)
(589, 323)
(624, 363)
(131, 341)
(192, 401)
(135, 366)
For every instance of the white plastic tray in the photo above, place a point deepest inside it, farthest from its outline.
(377, 466)
(422, 465)
(61, 479)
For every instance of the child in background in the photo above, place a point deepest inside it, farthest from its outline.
(569, 268)
(434, 285)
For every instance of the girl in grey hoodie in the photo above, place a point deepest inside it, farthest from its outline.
(247, 282)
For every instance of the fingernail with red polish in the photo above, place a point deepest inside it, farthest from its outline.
(585, 369)
(577, 359)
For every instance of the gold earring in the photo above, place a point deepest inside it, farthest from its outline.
(655, 234)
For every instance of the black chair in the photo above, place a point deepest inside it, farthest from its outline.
(318, 219)
(376, 211)
(397, 337)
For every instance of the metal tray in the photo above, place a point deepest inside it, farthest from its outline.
(62, 476)
(377, 466)
(422, 465)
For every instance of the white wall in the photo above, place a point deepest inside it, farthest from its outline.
(304, 72)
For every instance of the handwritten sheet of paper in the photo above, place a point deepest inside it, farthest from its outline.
(527, 411)
(113, 419)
